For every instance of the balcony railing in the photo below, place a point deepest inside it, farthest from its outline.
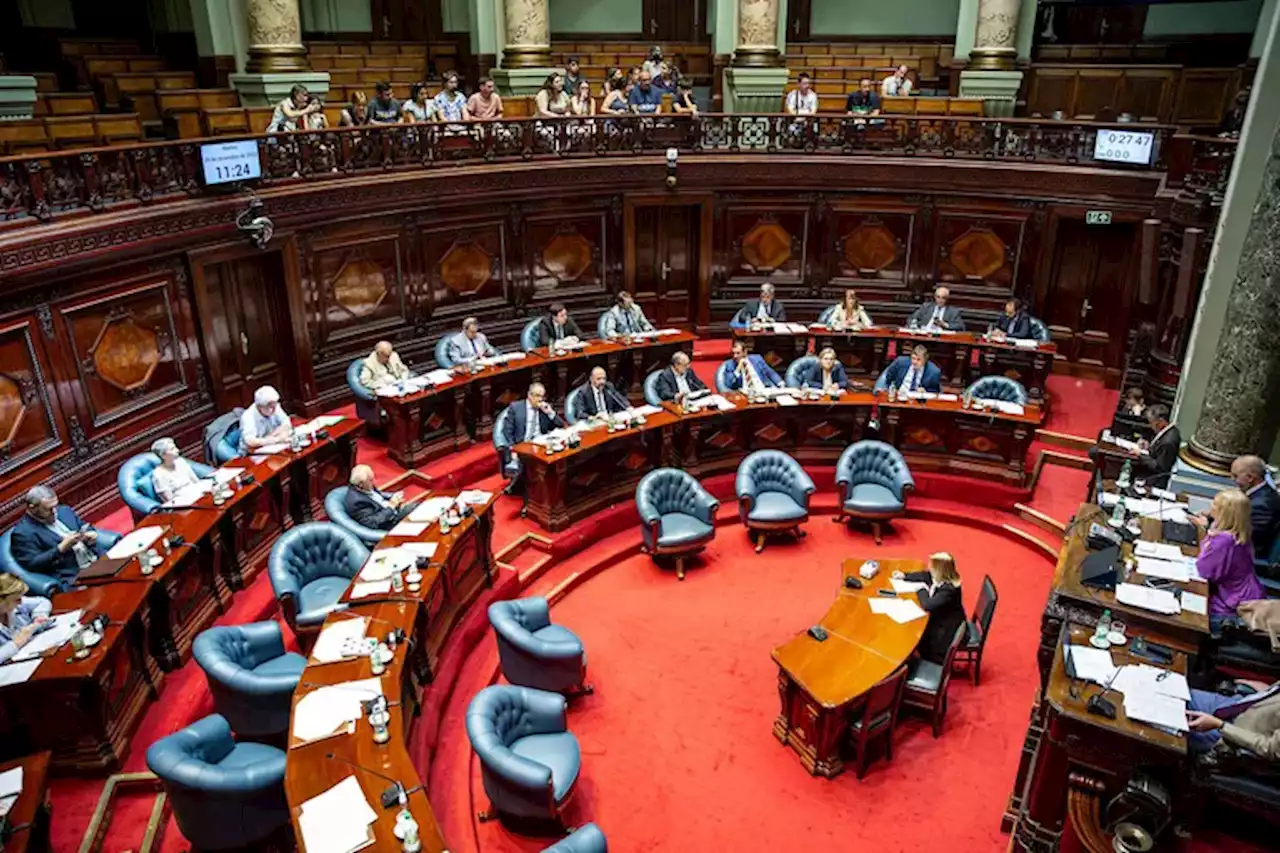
(40, 187)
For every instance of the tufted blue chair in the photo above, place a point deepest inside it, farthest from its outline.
(825, 317)
(42, 585)
(224, 795)
(797, 367)
(134, 482)
(214, 433)
(367, 408)
(585, 839)
(442, 352)
(507, 461)
(336, 509)
(311, 566)
(723, 372)
(571, 414)
(1040, 331)
(529, 762)
(773, 494)
(529, 334)
(651, 389)
(601, 331)
(250, 675)
(229, 447)
(873, 481)
(998, 388)
(534, 651)
(677, 514)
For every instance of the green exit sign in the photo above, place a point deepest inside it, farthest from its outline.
(1097, 217)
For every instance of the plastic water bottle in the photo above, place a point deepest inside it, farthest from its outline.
(1104, 625)
(1118, 514)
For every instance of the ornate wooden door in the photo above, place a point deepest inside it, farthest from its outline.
(1090, 291)
(664, 268)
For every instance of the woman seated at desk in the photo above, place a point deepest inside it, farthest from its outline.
(826, 375)
(173, 473)
(21, 615)
(941, 599)
(849, 315)
(1226, 557)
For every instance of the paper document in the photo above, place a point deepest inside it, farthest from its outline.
(135, 542)
(1195, 603)
(1008, 407)
(645, 411)
(364, 590)
(409, 528)
(430, 509)
(341, 639)
(900, 610)
(17, 673)
(270, 449)
(1156, 600)
(338, 820)
(226, 475)
(10, 789)
(1199, 505)
(947, 398)
(786, 400)
(1166, 569)
(900, 586)
(63, 626)
(421, 549)
(712, 401)
(1026, 343)
(328, 710)
(322, 422)
(384, 562)
(1090, 664)
(439, 377)
(1157, 709)
(1158, 550)
(1126, 444)
(475, 497)
(190, 493)
(1142, 678)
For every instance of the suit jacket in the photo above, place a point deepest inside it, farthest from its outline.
(615, 321)
(366, 511)
(1156, 466)
(950, 314)
(1264, 512)
(668, 389)
(35, 547)
(462, 350)
(766, 373)
(945, 607)
(613, 400)
(748, 312)
(546, 334)
(374, 373)
(893, 375)
(811, 376)
(1017, 326)
(517, 423)
(1257, 729)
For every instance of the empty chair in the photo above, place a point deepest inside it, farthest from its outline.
(797, 368)
(335, 507)
(222, 437)
(529, 335)
(876, 719)
(529, 761)
(825, 317)
(442, 352)
(572, 411)
(873, 480)
(977, 628)
(367, 407)
(39, 584)
(651, 389)
(927, 683)
(1039, 331)
(584, 839)
(536, 652)
(1000, 388)
(773, 494)
(310, 567)
(134, 482)
(677, 515)
(224, 795)
(251, 676)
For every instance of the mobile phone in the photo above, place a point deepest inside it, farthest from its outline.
(887, 593)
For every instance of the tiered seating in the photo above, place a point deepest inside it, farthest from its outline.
(182, 110)
(222, 121)
(845, 63)
(76, 50)
(932, 106)
(357, 66)
(597, 57)
(138, 92)
(64, 104)
(63, 132)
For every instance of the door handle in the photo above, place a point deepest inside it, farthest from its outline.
(795, 26)
(666, 270)
(244, 343)
(653, 26)
(1084, 309)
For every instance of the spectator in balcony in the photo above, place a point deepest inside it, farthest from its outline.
(357, 112)
(633, 74)
(582, 104)
(668, 78)
(295, 112)
(552, 100)
(573, 75)
(684, 103)
(863, 102)
(615, 99)
(897, 84)
(420, 108)
(1233, 121)
(451, 104)
(384, 109)
(802, 100)
(654, 63)
(485, 103)
(645, 98)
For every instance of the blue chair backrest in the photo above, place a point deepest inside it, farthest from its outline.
(825, 316)
(571, 405)
(773, 471)
(353, 381)
(313, 550)
(800, 365)
(529, 334)
(43, 585)
(336, 508)
(229, 447)
(216, 431)
(870, 461)
(723, 372)
(651, 389)
(999, 388)
(600, 329)
(665, 490)
(442, 353)
(500, 429)
(1040, 331)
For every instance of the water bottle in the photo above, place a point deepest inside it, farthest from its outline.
(1118, 514)
(84, 556)
(1104, 626)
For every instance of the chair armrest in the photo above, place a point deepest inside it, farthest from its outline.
(544, 711)
(265, 639)
(518, 771)
(706, 506)
(745, 486)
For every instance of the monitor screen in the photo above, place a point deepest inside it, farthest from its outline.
(1124, 146)
(229, 162)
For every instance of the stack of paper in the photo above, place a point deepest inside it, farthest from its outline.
(1157, 600)
(270, 449)
(322, 422)
(947, 398)
(474, 497)
(712, 401)
(786, 400)
(332, 710)
(338, 820)
(409, 528)
(900, 610)
(17, 673)
(1157, 709)
(431, 509)
(438, 377)
(339, 640)
(135, 542)
(1167, 569)
(384, 562)
(1159, 550)
(1026, 343)
(364, 590)
(1126, 444)
(226, 475)
(10, 789)
(62, 626)
(902, 587)
(1154, 695)
(1007, 407)
(1091, 664)
(190, 493)
(645, 411)
(420, 549)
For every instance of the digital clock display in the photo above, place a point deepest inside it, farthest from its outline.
(228, 162)
(1123, 146)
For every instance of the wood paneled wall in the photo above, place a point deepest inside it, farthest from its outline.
(1169, 94)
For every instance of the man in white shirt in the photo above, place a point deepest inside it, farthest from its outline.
(625, 317)
(469, 344)
(802, 100)
(265, 422)
(897, 84)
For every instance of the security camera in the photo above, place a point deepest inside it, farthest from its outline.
(255, 224)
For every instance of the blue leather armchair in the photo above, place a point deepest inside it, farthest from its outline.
(534, 651)
(367, 407)
(1040, 331)
(677, 515)
(1000, 388)
(600, 329)
(529, 334)
(873, 480)
(773, 494)
(442, 352)
(229, 446)
(529, 761)
(571, 414)
(336, 509)
(651, 389)
(310, 567)
(134, 482)
(585, 839)
(251, 676)
(825, 317)
(214, 433)
(723, 372)
(224, 795)
(41, 584)
(507, 461)
(797, 367)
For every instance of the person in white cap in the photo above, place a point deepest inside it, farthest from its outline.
(173, 472)
(265, 422)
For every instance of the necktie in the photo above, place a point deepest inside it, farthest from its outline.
(599, 402)
(475, 347)
(531, 423)
(937, 316)
(559, 331)
(626, 320)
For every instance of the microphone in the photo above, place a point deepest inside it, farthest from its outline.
(159, 508)
(394, 796)
(375, 599)
(319, 686)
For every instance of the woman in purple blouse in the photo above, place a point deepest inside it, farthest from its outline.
(1226, 557)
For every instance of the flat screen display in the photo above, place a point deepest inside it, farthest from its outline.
(229, 162)
(1124, 146)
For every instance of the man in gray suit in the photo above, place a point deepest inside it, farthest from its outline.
(937, 314)
(469, 344)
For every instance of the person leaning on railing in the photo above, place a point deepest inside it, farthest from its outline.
(485, 103)
(420, 107)
(684, 103)
(357, 112)
(299, 111)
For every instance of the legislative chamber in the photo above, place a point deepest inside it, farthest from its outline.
(497, 427)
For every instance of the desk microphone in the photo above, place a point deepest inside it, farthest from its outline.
(159, 508)
(320, 686)
(380, 599)
(395, 795)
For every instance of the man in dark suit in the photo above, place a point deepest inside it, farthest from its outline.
(529, 419)
(937, 314)
(824, 374)
(599, 396)
(766, 309)
(51, 539)
(750, 371)
(1162, 451)
(1250, 474)
(557, 326)
(1013, 323)
(912, 373)
(678, 379)
(370, 506)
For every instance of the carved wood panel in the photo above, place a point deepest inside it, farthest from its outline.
(566, 254)
(358, 288)
(465, 267)
(874, 246)
(767, 243)
(979, 251)
(27, 426)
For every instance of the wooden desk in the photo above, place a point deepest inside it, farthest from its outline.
(819, 683)
(460, 570)
(778, 349)
(566, 487)
(439, 420)
(29, 815)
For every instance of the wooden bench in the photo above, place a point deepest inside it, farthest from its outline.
(226, 121)
(137, 91)
(180, 109)
(65, 104)
(74, 51)
(69, 132)
(931, 106)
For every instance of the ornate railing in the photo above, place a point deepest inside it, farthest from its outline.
(1201, 165)
(41, 187)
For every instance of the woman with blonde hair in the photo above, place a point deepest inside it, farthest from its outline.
(21, 616)
(941, 599)
(173, 473)
(849, 314)
(1226, 557)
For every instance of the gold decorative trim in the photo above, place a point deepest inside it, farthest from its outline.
(96, 832)
(516, 56)
(757, 57)
(1206, 459)
(276, 59)
(993, 58)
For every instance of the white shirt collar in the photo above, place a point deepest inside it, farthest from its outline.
(1167, 427)
(1249, 493)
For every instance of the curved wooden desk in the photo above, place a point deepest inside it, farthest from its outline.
(819, 682)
